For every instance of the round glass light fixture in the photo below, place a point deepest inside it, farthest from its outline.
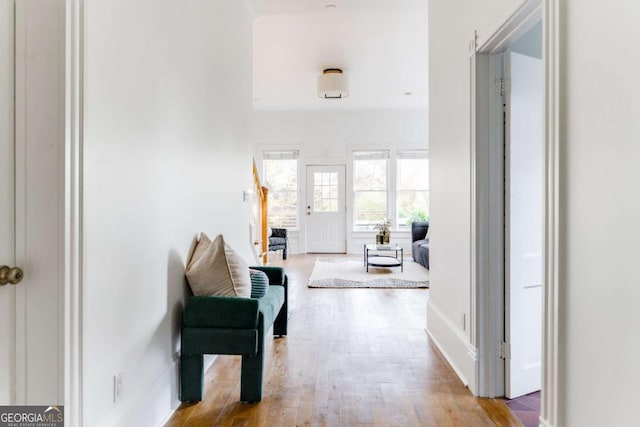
(333, 84)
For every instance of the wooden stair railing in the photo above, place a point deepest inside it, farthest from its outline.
(261, 215)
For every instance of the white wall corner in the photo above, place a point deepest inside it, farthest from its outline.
(460, 353)
(545, 423)
(155, 404)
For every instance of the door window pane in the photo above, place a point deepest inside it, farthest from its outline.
(325, 192)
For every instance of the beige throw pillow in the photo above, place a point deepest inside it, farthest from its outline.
(219, 271)
(201, 247)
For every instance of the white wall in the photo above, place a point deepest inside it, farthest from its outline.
(451, 26)
(600, 137)
(167, 99)
(329, 137)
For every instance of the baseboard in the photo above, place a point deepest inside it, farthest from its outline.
(544, 423)
(157, 403)
(454, 345)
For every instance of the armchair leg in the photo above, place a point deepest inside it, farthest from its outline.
(191, 378)
(252, 370)
(280, 324)
(284, 253)
(251, 378)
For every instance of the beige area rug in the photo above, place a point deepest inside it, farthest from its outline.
(343, 272)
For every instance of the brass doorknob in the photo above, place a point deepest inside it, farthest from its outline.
(10, 275)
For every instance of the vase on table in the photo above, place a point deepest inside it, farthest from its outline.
(386, 237)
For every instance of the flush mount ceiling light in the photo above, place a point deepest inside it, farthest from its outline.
(333, 84)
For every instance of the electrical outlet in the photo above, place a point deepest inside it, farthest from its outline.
(118, 380)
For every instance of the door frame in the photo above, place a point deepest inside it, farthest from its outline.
(487, 253)
(73, 227)
(307, 202)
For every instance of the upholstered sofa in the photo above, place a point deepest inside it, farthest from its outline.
(232, 325)
(278, 241)
(420, 242)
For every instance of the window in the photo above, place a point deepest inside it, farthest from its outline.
(370, 188)
(412, 187)
(281, 176)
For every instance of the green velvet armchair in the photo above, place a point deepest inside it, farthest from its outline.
(232, 325)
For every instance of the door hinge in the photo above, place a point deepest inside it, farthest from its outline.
(503, 86)
(503, 350)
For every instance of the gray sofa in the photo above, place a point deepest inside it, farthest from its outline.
(420, 242)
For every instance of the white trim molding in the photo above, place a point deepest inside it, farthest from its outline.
(509, 26)
(462, 355)
(554, 259)
(73, 238)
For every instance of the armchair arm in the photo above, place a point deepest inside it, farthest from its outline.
(221, 312)
(419, 230)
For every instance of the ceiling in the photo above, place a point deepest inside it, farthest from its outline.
(380, 44)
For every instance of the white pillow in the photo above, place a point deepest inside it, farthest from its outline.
(218, 270)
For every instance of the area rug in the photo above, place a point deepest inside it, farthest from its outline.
(349, 272)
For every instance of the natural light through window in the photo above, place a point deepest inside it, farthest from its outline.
(370, 188)
(412, 187)
(281, 176)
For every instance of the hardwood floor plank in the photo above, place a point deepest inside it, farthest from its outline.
(353, 357)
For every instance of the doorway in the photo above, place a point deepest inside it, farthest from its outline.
(326, 217)
(491, 230)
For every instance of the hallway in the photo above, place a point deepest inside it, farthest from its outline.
(352, 357)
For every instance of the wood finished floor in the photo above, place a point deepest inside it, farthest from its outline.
(353, 357)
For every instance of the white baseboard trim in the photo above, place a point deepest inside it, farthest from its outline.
(454, 345)
(155, 405)
(545, 423)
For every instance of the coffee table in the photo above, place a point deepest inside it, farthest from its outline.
(378, 260)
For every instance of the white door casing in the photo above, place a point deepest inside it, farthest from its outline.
(325, 210)
(7, 202)
(524, 223)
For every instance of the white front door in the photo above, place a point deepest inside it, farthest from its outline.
(325, 210)
(32, 201)
(7, 203)
(524, 223)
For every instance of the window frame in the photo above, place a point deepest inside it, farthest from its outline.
(408, 154)
(370, 154)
